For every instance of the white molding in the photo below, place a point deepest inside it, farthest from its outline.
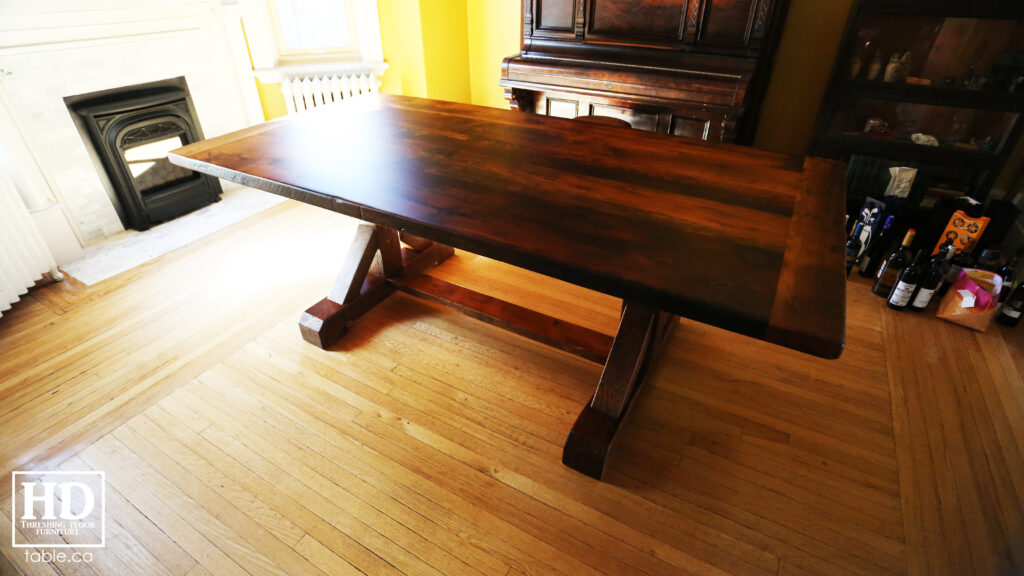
(34, 32)
(33, 181)
(342, 68)
(234, 35)
(260, 32)
(90, 16)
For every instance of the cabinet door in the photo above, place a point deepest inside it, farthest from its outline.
(690, 125)
(734, 23)
(643, 22)
(701, 124)
(559, 105)
(672, 24)
(554, 17)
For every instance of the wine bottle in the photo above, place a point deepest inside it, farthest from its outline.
(1011, 311)
(907, 283)
(932, 278)
(962, 259)
(989, 259)
(889, 272)
(1008, 272)
(853, 245)
(872, 257)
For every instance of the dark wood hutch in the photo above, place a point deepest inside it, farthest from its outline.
(950, 106)
(694, 68)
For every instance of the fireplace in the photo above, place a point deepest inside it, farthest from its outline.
(129, 132)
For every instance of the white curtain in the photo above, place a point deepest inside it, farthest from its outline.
(24, 256)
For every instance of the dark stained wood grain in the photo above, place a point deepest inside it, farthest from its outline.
(809, 301)
(716, 233)
(623, 367)
(357, 264)
(638, 344)
(639, 20)
(390, 247)
(323, 323)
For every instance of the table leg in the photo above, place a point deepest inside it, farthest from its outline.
(638, 343)
(375, 256)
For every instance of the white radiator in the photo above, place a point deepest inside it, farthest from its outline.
(306, 93)
(24, 256)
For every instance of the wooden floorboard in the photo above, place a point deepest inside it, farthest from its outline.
(426, 442)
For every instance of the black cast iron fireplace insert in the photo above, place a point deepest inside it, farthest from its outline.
(128, 132)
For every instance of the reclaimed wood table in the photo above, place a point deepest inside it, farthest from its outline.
(746, 240)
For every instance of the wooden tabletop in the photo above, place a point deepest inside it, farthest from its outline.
(747, 240)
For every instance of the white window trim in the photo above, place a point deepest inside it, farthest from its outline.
(267, 63)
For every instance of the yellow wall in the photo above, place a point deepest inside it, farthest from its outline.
(494, 34)
(803, 64)
(402, 42)
(272, 100)
(446, 49)
(391, 80)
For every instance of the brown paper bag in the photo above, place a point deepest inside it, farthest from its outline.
(972, 299)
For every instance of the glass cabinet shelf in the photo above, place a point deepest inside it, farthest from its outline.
(937, 86)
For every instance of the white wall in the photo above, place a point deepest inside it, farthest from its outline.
(58, 48)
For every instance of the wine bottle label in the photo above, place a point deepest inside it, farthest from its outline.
(901, 294)
(1011, 312)
(923, 298)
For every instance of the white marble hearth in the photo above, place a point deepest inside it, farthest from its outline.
(131, 248)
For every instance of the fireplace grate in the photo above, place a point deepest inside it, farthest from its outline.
(129, 132)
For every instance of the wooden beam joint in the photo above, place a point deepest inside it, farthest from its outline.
(376, 254)
(639, 341)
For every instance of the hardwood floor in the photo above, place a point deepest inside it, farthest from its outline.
(426, 442)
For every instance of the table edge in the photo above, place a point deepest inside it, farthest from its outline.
(803, 271)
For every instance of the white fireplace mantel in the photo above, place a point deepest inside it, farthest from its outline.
(58, 48)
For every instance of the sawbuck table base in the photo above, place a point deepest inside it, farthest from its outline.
(377, 265)
(727, 236)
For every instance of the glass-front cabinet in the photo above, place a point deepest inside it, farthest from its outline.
(935, 86)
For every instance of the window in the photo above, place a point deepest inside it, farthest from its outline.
(310, 37)
(310, 28)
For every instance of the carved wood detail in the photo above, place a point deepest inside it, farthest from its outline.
(761, 20)
(580, 24)
(692, 17)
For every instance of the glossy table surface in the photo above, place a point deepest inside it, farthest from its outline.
(747, 240)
